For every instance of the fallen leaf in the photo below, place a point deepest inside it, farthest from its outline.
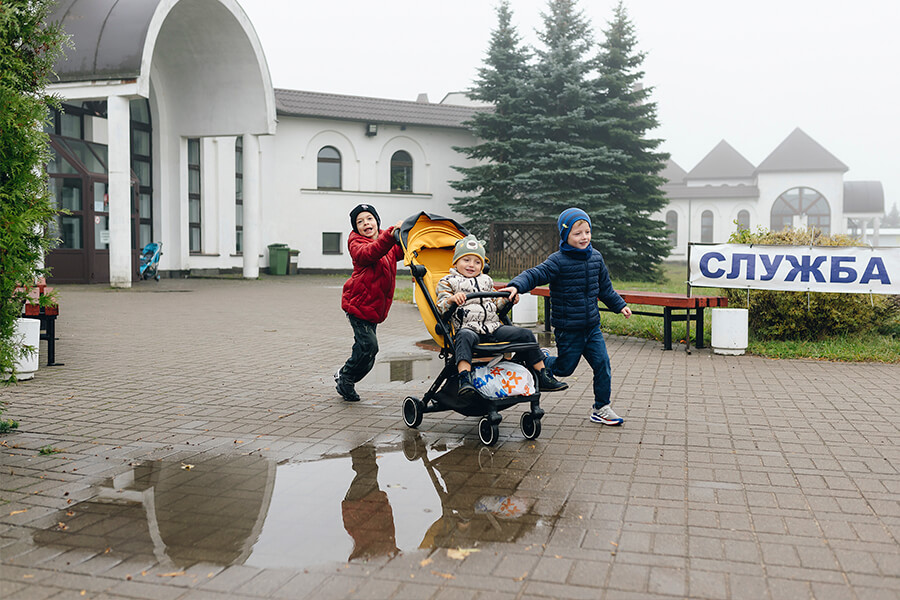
(62, 526)
(460, 553)
(18, 512)
(186, 466)
(426, 562)
(524, 575)
(70, 513)
(172, 574)
(27, 576)
(444, 575)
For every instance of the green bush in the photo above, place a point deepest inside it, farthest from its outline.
(776, 315)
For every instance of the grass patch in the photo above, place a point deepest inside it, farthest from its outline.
(46, 450)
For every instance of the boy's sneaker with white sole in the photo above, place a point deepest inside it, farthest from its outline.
(606, 416)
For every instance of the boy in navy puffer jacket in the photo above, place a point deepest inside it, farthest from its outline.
(578, 278)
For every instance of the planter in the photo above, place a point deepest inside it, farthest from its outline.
(729, 330)
(526, 311)
(27, 333)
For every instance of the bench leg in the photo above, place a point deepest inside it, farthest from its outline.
(667, 328)
(699, 320)
(51, 343)
(687, 331)
(546, 313)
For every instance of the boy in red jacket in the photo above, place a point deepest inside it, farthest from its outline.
(368, 293)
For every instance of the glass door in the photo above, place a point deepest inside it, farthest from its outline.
(68, 261)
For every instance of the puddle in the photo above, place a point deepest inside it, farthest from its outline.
(243, 510)
(415, 368)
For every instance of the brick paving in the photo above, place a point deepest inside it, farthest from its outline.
(733, 477)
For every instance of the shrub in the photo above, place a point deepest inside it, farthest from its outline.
(777, 315)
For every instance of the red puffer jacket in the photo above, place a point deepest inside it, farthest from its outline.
(369, 292)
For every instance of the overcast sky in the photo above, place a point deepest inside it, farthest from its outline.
(745, 72)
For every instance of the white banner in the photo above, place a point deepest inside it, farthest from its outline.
(796, 268)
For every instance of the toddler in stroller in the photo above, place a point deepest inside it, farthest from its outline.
(149, 266)
(431, 244)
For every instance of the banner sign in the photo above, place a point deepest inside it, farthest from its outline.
(796, 268)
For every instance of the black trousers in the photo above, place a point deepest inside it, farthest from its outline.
(365, 347)
(466, 338)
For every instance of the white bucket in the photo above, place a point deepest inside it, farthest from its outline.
(526, 311)
(729, 330)
(27, 332)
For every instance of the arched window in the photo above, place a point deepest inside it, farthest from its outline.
(743, 220)
(401, 172)
(672, 227)
(706, 227)
(329, 171)
(800, 201)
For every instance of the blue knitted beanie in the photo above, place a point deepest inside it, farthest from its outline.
(568, 218)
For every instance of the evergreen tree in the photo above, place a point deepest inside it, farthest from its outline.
(565, 164)
(638, 241)
(490, 183)
(892, 219)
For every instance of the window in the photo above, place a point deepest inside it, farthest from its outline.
(797, 202)
(141, 164)
(194, 195)
(672, 227)
(239, 195)
(743, 220)
(401, 172)
(331, 242)
(329, 169)
(706, 227)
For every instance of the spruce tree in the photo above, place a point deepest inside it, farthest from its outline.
(491, 183)
(631, 115)
(566, 163)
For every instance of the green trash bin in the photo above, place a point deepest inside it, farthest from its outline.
(278, 259)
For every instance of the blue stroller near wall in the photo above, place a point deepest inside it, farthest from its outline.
(150, 261)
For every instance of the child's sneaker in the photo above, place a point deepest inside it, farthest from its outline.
(345, 388)
(606, 416)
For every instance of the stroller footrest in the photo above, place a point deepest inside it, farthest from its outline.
(493, 349)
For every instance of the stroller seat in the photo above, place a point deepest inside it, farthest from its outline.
(428, 243)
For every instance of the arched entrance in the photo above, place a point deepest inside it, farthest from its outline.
(798, 203)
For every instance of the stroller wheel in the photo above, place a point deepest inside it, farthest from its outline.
(488, 432)
(412, 411)
(531, 427)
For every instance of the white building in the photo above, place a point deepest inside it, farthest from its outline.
(798, 184)
(169, 135)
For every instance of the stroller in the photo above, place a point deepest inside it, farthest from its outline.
(149, 266)
(428, 242)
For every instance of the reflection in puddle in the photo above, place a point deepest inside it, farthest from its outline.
(416, 368)
(371, 502)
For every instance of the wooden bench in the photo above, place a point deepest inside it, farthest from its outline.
(46, 315)
(670, 303)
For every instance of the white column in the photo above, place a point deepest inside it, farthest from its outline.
(251, 207)
(119, 122)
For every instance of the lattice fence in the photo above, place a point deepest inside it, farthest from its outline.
(515, 246)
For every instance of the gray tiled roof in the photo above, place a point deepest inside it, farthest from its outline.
(864, 197)
(799, 152)
(722, 162)
(672, 172)
(375, 110)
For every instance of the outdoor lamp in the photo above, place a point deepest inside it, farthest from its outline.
(371, 129)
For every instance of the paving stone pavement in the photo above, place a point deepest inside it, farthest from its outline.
(193, 447)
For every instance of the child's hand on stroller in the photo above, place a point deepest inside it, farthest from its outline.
(459, 298)
(513, 294)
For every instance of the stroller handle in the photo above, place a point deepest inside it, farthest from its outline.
(448, 314)
(476, 295)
